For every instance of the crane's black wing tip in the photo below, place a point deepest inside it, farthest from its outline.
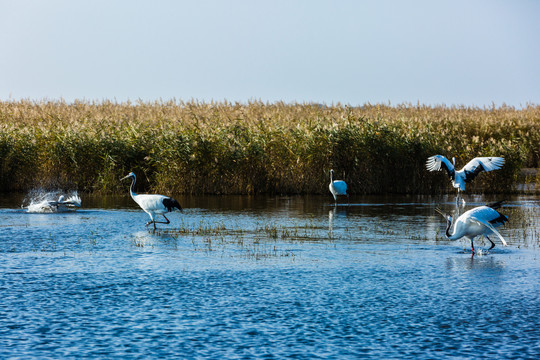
(171, 204)
(496, 204)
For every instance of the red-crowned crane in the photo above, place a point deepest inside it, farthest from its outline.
(467, 173)
(62, 204)
(337, 187)
(152, 204)
(481, 220)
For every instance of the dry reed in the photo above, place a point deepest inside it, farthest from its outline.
(231, 148)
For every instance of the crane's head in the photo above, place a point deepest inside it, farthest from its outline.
(444, 215)
(131, 175)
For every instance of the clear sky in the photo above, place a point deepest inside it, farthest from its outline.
(458, 52)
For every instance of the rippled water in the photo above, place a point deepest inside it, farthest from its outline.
(266, 277)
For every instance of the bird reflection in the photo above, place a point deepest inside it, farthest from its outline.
(334, 214)
(484, 263)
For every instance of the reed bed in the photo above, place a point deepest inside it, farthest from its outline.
(231, 148)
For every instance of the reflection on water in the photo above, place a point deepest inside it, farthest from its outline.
(266, 277)
(479, 263)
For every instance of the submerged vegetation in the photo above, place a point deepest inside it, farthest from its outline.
(230, 148)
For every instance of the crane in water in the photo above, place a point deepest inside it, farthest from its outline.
(62, 204)
(481, 220)
(40, 202)
(337, 187)
(467, 174)
(152, 204)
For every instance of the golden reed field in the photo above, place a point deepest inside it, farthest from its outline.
(232, 148)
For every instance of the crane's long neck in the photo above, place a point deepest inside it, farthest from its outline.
(455, 233)
(448, 226)
(132, 188)
(331, 177)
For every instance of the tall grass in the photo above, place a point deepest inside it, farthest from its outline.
(231, 148)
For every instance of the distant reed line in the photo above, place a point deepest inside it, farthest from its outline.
(231, 148)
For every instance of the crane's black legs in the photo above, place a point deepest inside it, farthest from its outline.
(151, 222)
(168, 222)
(492, 243)
(337, 196)
(158, 222)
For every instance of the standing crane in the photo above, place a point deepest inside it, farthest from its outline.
(337, 187)
(152, 204)
(481, 220)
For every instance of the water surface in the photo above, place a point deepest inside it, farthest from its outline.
(266, 277)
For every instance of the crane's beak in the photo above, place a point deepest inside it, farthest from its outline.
(125, 177)
(440, 212)
(445, 216)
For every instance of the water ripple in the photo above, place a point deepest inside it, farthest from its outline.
(94, 285)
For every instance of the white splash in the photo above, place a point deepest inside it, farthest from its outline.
(481, 252)
(51, 202)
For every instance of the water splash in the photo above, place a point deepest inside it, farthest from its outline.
(40, 201)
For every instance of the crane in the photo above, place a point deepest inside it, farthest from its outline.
(467, 173)
(481, 220)
(62, 204)
(337, 187)
(152, 204)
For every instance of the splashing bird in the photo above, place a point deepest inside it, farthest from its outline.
(337, 187)
(62, 204)
(481, 220)
(152, 204)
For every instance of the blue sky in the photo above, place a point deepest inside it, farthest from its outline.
(456, 52)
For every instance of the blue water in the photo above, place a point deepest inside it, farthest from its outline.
(286, 277)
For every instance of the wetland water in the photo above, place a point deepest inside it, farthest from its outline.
(267, 277)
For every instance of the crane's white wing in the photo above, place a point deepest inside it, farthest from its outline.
(490, 227)
(436, 162)
(487, 163)
(479, 164)
(340, 187)
(150, 202)
(73, 200)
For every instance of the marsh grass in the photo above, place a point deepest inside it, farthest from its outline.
(523, 227)
(237, 232)
(230, 148)
(265, 240)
